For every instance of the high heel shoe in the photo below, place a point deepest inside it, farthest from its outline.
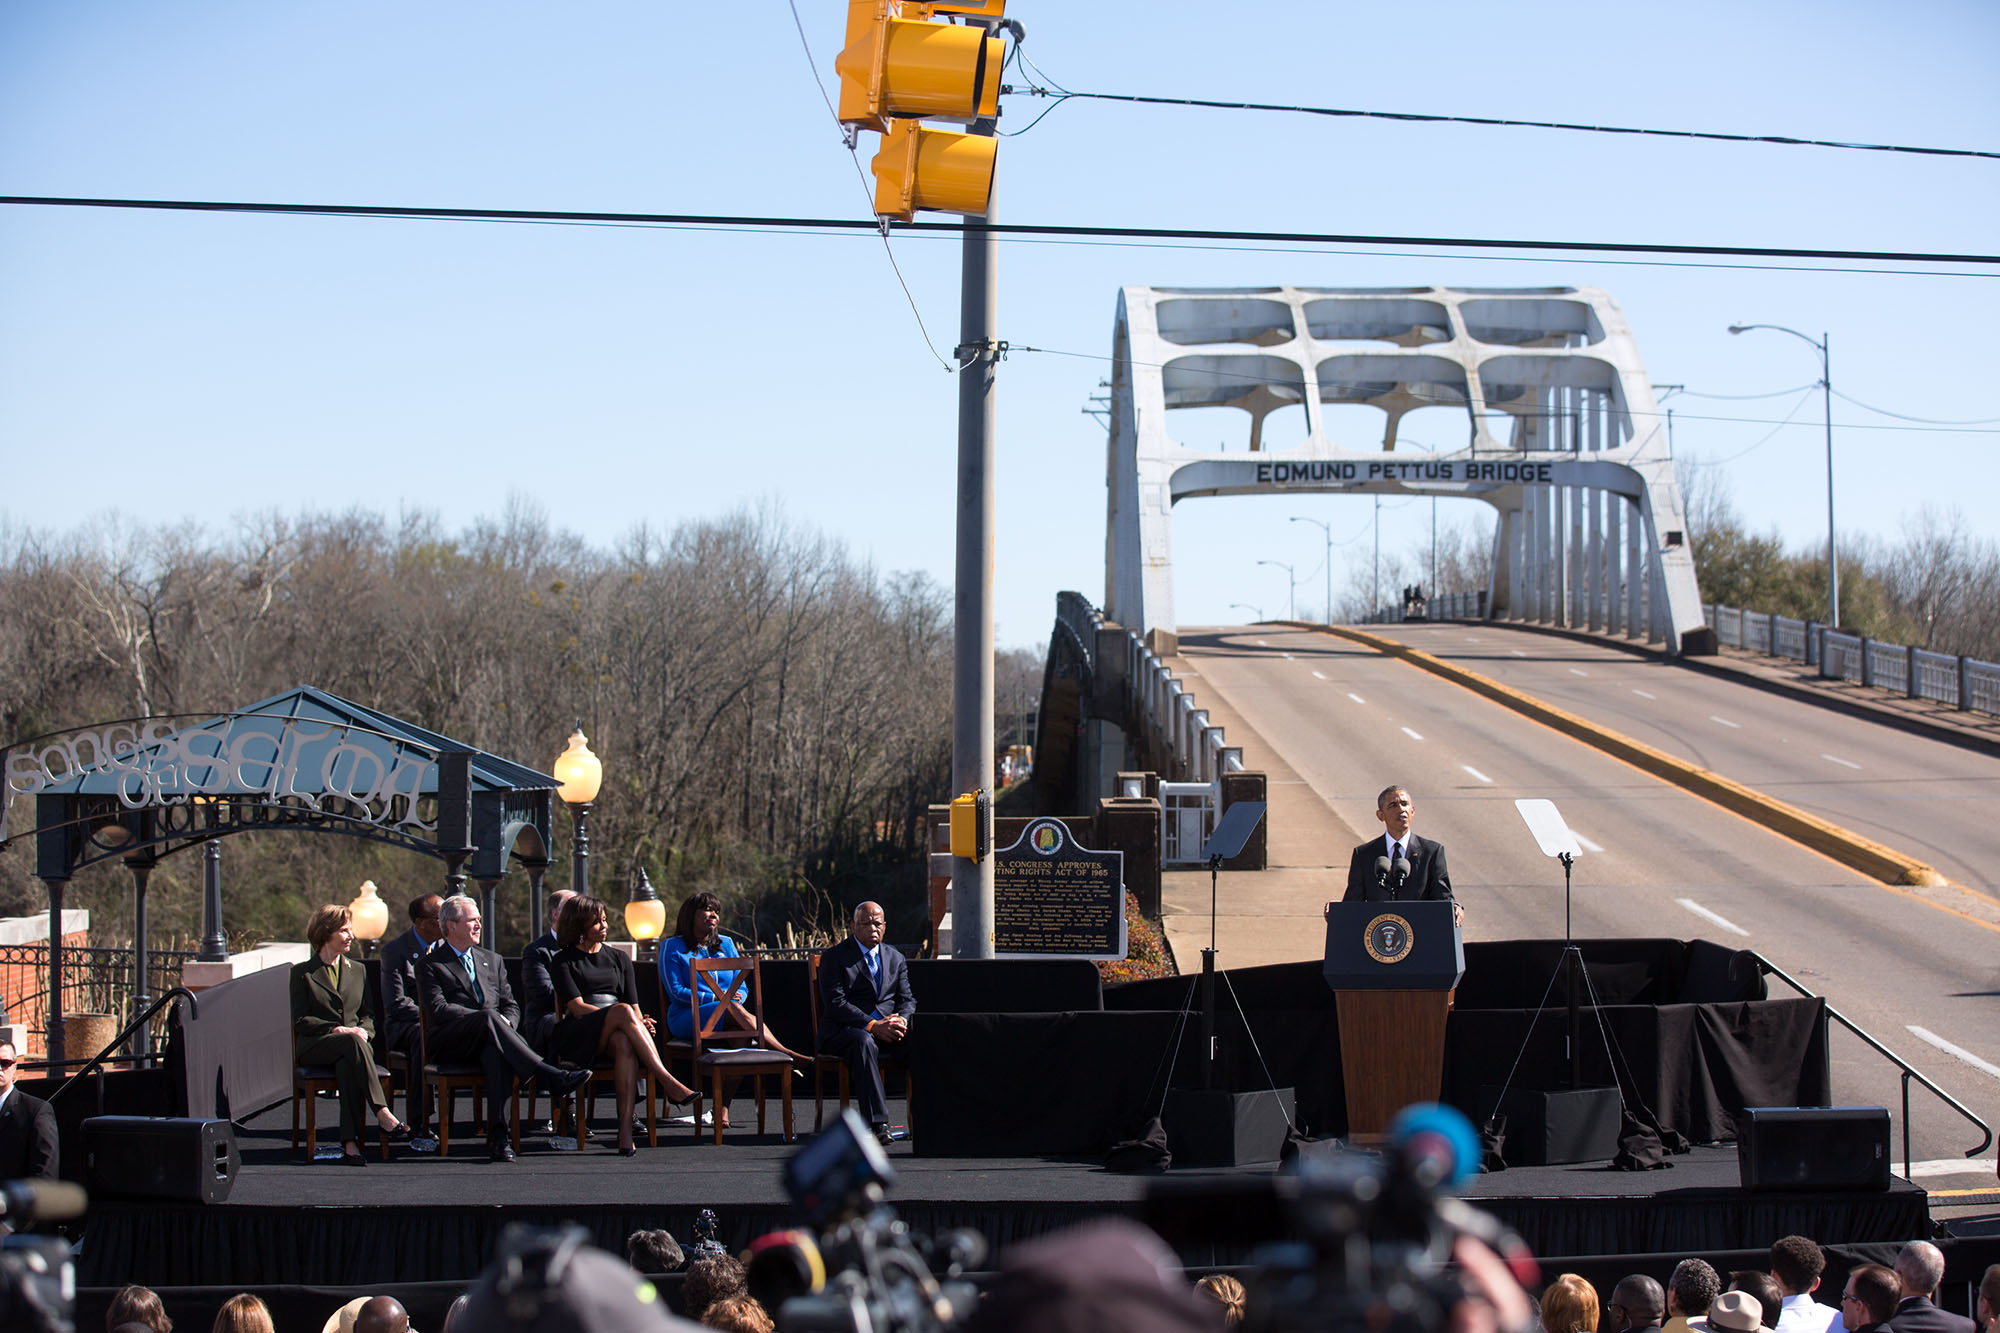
(629, 1150)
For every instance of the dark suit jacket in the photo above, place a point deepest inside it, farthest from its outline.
(538, 991)
(317, 1008)
(27, 1138)
(1428, 877)
(848, 998)
(1917, 1315)
(399, 988)
(449, 991)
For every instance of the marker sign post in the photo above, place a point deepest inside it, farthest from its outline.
(1055, 899)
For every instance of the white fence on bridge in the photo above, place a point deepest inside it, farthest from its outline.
(1918, 673)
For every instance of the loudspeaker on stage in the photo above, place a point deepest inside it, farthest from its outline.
(1213, 1128)
(1813, 1147)
(159, 1157)
(1555, 1128)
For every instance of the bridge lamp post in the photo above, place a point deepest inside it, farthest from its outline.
(1256, 612)
(1826, 397)
(1291, 588)
(579, 774)
(1326, 528)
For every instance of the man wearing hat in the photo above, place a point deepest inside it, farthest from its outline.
(1734, 1312)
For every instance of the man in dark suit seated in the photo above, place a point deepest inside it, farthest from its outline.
(1415, 866)
(27, 1126)
(1919, 1269)
(865, 1002)
(538, 984)
(472, 1015)
(399, 977)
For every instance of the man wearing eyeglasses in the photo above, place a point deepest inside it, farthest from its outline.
(1868, 1301)
(27, 1126)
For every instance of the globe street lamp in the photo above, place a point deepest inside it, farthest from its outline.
(369, 916)
(645, 915)
(1826, 397)
(579, 773)
(1327, 528)
(1291, 589)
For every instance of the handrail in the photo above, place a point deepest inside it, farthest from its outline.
(178, 992)
(1771, 969)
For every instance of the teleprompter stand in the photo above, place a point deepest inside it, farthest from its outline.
(1209, 1125)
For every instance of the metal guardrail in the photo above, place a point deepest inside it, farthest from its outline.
(139, 1021)
(95, 980)
(1772, 970)
(1196, 746)
(1965, 683)
(1443, 606)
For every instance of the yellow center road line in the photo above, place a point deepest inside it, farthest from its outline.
(1892, 869)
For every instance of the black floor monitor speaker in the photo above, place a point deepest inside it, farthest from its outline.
(1555, 1128)
(157, 1157)
(1813, 1148)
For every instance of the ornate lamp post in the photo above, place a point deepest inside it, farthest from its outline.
(370, 917)
(1826, 398)
(645, 915)
(579, 774)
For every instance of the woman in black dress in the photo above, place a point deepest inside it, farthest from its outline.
(597, 998)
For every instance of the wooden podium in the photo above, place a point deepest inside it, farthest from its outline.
(1393, 967)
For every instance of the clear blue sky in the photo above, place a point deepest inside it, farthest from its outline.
(206, 367)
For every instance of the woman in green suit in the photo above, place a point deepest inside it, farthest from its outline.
(331, 1020)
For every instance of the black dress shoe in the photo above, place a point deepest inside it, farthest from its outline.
(400, 1134)
(353, 1159)
(500, 1151)
(631, 1151)
(566, 1080)
(884, 1135)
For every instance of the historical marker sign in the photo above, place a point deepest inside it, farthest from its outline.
(1055, 899)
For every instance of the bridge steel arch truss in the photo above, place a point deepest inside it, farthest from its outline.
(1591, 534)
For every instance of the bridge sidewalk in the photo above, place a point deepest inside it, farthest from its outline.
(1268, 916)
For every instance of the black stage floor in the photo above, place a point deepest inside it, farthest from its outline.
(422, 1218)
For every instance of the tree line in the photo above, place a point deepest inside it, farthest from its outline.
(773, 714)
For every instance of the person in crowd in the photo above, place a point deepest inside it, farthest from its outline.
(399, 977)
(1427, 878)
(597, 996)
(1569, 1305)
(654, 1252)
(1637, 1305)
(538, 983)
(243, 1313)
(1986, 1311)
(27, 1126)
(1226, 1292)
(698, 934)
(381, 1314)
(1693, 1287)
(1796, 1263)
(137, 1305)
(331, 1022)
(473, 1013)
(739, 1314)
(1870, 1298)
(1919, 1268)
(455, 1316)
(710, 1280)
(1733, 1312)
(1107, 1276)
(564, 1288)
(865, 1003)
(1770, 1296)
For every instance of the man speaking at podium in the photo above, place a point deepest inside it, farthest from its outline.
(1400, 866)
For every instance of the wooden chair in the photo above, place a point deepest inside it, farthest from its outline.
(446, 1079)
(308, 1082)
(890, 1057)
(724, 1047)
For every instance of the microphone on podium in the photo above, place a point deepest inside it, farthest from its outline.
(1402, 870)
(1381, 872)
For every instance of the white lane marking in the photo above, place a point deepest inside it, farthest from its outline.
(1836, 759)
(1951, 1166)
(1925, 1034)
(1725, 722)
(1412, 735)
(1517, 652)
(1475, 772)
(1586, 843)
(1707, 915)
(1576, 671)
(1643, 695)
(1319, 675)
(1357, 698)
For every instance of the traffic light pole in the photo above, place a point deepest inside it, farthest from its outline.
(972, 638)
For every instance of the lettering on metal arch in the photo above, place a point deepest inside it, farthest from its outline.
(1320, 473)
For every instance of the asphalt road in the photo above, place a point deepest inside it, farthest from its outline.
(1657, 860)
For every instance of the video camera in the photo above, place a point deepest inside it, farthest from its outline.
(858, 1268)
(37, 1275)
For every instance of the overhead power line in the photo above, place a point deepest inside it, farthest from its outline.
(1000, 228)
(1790, 141)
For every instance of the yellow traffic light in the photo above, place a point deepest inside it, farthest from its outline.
(931, 169)
(972, 825)
(897, 63)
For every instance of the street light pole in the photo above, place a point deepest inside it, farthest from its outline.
(1820, 345)
(1291, 588)
(1256, 612)
(1327, 528)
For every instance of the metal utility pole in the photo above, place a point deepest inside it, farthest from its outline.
(972, 623)
(1819, 345)
(1326, 528)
